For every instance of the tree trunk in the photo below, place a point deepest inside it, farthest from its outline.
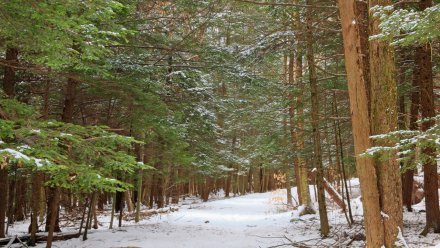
(408, 175)
(52, 219)
(358, 94)
(384, 120)
(119, 202)
(69, 100)
(52, 198)
(428, 111)
(289, 80)
(315, 124)
(112, 216)
(302, 179)
(20, 198)
(3, 197)
(9, 75)
(340, 156)
(37, 183)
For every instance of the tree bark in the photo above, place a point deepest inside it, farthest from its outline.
(52, 198)
(428, 111)
(357, 91)
(52, 219)
(302, 171)
(3, 198)
(9, 75)
(384, 120)
(408, 175)
(69, 100)
(37, 183)
(288, 81)
(325, 228)
(20, 198)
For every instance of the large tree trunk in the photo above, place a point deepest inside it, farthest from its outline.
(315, 124)
(358, 94)
(428, 111)
(384, 120)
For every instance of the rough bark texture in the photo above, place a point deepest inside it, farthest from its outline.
(384, 120)
(354, 63)
(315, 124)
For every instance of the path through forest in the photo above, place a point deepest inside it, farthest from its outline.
(255, 220)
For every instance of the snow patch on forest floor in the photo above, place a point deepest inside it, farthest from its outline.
(254, 220)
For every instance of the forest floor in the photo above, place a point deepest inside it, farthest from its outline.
(254, 220)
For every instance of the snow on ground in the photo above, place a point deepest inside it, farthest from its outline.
(254, 220)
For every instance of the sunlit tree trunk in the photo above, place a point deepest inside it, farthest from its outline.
(358, 94)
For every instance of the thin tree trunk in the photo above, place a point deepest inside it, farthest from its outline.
(89, 216)
(3, 197)
(289, 80)
(325, 228)
(340, 156)
(37, 183)
(11, 196)
(113, 210)
(83, 216)
(130, 205)
(121, 208)
(408, 175)
(95, 216)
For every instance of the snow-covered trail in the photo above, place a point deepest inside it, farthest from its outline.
(255, 220)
